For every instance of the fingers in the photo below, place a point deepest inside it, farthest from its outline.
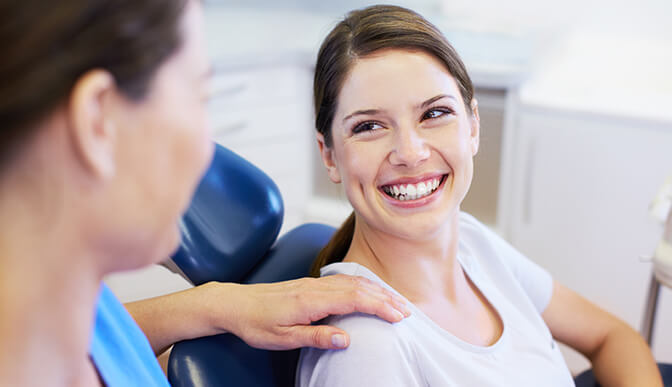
(387, 299)
(380, 305)
(279, 315)
(348, 294)
(318, 336)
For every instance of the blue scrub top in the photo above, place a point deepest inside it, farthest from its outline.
(119, 349)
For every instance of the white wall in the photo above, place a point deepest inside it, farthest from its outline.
(650, 17)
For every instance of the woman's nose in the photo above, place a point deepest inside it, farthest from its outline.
(410, 148)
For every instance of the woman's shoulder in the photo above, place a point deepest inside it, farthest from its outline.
(376, 347)
(379, 353)
(477, 238)
(489, 253)
(366, 331)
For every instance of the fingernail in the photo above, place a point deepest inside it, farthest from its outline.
(403, 306)
(400, 316)
(338, 340)
(404, 310)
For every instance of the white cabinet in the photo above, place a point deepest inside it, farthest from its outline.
(577, 203)
(482, 198)
(263, 114)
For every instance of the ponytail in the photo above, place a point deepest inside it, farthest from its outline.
(337, 247)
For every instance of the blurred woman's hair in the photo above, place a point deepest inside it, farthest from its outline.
(362, 33)
(48, 45)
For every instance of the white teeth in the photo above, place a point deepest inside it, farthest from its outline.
(405, 192)
(411, 190)
(422, 189)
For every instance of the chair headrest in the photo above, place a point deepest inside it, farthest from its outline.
(234, 218)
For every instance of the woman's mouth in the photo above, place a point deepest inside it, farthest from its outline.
(404, 192)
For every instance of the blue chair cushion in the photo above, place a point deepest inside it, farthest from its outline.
(292, 255)
(227, 360)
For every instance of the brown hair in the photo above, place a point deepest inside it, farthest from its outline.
(362, 33)
(47, 46)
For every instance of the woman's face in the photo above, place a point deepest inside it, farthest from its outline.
(163, 148)
(403, 143)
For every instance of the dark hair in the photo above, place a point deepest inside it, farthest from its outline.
(48, 45)
(362, 33)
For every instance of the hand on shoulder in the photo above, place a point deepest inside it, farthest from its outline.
(279, 316)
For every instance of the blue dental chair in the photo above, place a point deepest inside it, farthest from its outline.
(229, 234)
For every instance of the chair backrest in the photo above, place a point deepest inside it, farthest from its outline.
(228, 235)
(233, 220)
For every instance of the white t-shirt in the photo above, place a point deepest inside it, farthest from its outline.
(417, 352)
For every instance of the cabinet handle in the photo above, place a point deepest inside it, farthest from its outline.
(527, 187)
(231, 128)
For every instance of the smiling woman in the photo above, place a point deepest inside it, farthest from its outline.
(366, 34)
(398, 126)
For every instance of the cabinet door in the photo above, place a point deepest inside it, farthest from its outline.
(581, 191)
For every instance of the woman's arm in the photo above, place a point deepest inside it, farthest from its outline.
(270, 316)
(619, 355)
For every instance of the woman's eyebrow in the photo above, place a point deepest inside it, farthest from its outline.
(421, 106)
(361, 112)
(434, 99)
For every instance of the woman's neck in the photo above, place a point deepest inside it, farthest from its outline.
(48, 291)
(427, 273)
(418, 269)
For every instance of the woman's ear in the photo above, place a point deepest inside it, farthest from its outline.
(327, 154)
(475, 120)
(92, 131)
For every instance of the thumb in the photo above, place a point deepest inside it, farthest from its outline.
(321, 336)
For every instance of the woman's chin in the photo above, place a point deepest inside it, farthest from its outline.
(172, 243)
(166, 245)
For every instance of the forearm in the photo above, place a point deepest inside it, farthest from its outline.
(619, 355)
(270, 316)
(178, 316)
(624, 359)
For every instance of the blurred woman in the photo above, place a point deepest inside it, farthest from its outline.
(103, 139)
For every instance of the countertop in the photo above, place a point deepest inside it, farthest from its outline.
(612, 76)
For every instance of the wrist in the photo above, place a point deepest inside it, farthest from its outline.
(217, 307)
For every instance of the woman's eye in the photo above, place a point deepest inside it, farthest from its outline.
(365, 127)
(435, 113)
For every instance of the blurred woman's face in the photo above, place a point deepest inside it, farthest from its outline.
(164, 147)
(403, 143)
